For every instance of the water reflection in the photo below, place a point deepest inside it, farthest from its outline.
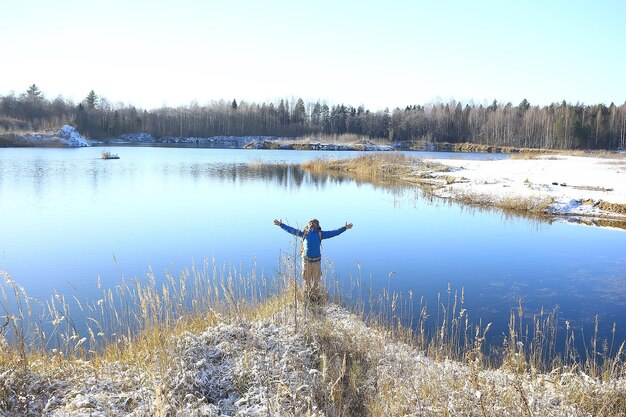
(281, 174)
(277, 174)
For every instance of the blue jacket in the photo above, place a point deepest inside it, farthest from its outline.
(311, 244)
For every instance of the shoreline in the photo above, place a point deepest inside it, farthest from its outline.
(313, 142)
(584, 189)
(562, 185)
(332, 363)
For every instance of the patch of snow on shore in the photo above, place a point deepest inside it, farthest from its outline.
(575, 184)
(70, 136)
(141, 137)
(66, 136)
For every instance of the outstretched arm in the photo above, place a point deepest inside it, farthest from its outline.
(288, 229)
(327, 234)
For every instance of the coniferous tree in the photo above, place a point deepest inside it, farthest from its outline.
(91, 101)
(316, 114)
(299, 112)
(33, 94)
(524, 105)
(283, 118)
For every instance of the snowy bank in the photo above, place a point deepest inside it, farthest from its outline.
(332, 364)
(572, 185)
(250, 142)
(67, 136)
(314, 146)
(70, 136)
(211, 141)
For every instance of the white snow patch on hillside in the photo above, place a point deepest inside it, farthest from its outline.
(70, 136)
(66, 136)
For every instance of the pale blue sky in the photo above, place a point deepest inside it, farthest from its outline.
(391, 53)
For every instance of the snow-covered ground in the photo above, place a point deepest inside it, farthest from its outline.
(66, 136)
(70, 136)
(314, 145)
(267, 368)
(216, 141)
(578, 185)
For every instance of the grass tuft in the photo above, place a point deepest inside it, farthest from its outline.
(109, 155)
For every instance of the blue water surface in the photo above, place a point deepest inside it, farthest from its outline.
(68, 217)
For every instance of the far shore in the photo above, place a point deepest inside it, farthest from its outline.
(346, 142)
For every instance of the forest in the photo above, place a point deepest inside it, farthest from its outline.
(556, 126)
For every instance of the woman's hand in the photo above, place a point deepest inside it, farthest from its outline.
(279, 222)
(348, 226)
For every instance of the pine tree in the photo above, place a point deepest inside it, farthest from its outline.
(524, 105)
(33, 93)
(316, 114)
(81, 120)
(299, 112)
(91, 100)
(234, 104)
(283, 116)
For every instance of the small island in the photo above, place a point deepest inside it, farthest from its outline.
(108, 155)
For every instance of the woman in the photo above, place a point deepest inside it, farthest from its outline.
(312, 237)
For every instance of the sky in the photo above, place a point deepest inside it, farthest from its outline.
(373, 53)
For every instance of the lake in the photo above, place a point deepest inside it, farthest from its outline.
(68, 217)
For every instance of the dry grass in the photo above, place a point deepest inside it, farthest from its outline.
(344, 138)
(515, 152)
(617, 164)
(109, 155)
(525, 204)
(612, 207)
(148, 345)
(10, 140)
(470, 147)
(528, 155)
(366, 165)
(596, 154)
(378, 168)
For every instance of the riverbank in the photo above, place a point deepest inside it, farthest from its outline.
(258, 362)
(309, 145)
(576, 188)
(66, 136)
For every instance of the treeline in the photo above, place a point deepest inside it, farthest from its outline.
(557, 126)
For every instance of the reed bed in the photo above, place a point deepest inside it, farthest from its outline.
(219, 340)
(382, 168)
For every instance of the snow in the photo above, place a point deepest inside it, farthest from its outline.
(266, 367)
(217, 141)
(314, 146)
(66, 136)
(576, 183)
(250, 142)
(70, 136)
(141, 137)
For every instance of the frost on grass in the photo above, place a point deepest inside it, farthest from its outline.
(333, 365)
(251, 369)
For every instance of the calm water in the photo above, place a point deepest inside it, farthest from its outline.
(67, 217)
